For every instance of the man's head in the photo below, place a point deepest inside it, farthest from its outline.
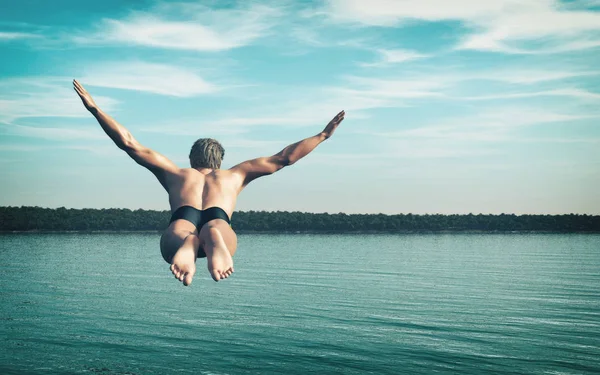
(206, 153)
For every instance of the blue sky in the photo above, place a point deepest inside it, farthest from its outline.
(452, 106)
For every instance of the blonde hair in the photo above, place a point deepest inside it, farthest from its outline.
(206, 153)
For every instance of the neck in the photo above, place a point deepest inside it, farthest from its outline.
(204, 170)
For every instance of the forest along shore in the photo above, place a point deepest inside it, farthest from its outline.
(38, 219)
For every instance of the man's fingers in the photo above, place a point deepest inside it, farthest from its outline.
(78, 86)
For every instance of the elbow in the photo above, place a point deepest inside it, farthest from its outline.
(128, 143)
(283, 161)
(126, 146)
(288, 161)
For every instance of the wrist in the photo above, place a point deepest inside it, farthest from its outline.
(94, 110)
(323, 135)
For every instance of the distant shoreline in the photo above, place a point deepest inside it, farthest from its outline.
(242, 232)
(63, 220)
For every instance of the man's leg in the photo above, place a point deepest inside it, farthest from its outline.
(180, 249)
(219, 243)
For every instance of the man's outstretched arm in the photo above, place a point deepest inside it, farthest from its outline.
(152, 160)
(255, 168)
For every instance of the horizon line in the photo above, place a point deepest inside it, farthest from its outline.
(321, 213)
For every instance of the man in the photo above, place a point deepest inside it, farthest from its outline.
(202, 197)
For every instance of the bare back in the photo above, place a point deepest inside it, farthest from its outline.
(201, 189)
(204, 188)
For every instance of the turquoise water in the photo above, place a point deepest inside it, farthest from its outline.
(302, 304)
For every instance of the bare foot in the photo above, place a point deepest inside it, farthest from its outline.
(220, 263)
(183, 265)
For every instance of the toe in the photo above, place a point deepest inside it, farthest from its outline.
(187, 280)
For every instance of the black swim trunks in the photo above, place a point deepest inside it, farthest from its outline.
(199, 218)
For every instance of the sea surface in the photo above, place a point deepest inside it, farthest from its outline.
(303, 304)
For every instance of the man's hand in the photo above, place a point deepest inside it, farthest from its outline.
(85, 97)
(333, 124)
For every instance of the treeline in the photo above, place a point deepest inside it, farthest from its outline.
(63, 219)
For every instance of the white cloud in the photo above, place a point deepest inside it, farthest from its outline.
(394, 12)
(392, 88)
(398, 92)
(100, 150)
(253, 143)
(192, 130)
(43, 97)
(530, 76)
(154, 78)
(557, 140)
(394, 56)
(8, 35)
(517, 75)
(56, 134)
(566, 92)
(402, 150)
(188, 26)
(21, 148)
(226, 126)
(501, 25)
(489, 126)
(564, 30)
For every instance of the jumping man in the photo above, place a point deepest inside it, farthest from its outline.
(202, 197)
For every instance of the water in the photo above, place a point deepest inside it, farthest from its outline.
(302, 304)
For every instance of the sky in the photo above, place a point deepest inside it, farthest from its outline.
(452, 106)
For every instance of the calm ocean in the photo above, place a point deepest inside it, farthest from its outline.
(303, 304)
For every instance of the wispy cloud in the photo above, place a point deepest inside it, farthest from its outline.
(541, 23)
(54, 133)
(530, 76)
(393, 88)
(397, 91)
(226, 126)
(9, 35)
(492, 125)
(507, 26)
(21, 148)
(394, 56)
(253, 143)
(187, 26)
(395, 148)
(437, 86)
(43, 97)
(567, 92)
(557, 140)
(154, 78)
(100, 150)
